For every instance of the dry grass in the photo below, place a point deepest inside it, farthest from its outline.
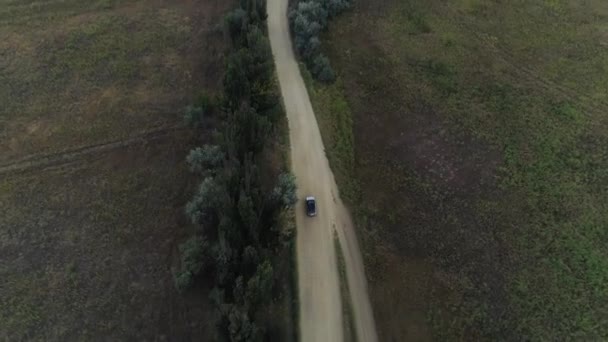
(87, 245)
(77, 73)
(480, 151)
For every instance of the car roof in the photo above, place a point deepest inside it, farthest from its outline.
(310, 198)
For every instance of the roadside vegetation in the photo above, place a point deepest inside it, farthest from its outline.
(308, 19)
(480, 144)
(241, 206)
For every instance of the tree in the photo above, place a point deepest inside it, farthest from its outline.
(261, 8)
(249, 216)
(260, 73)
(236, 82)
(241, 328)
(284, 191)
(261, 65)
(204, 158)
(246, 132)
(305, 29)
(307, 20)
(259, 287)
(194, 252)
(206, 202)
(322, 70)
(313, 11)
(193, 258)
(236, 22)
(238, 291)
(250, 257)
(223, 255)
(335, 7)
(193, 116)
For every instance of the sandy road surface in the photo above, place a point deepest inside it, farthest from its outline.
(319, 291)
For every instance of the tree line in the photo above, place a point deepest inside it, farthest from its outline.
(237, 215)
(307, 19)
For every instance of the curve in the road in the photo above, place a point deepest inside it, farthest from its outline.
(319, 291)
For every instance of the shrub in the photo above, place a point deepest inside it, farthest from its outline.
(260, 66)
(193, 116)
(256, 11)
(307, 20)
(335, 7)
(235, 23)
(204, 158)
(207, 103)
(248, 215)
(206, 201)
(305, 29)
(322, 70)
(259, 287)
(261, 8)
(285, 190)
(238, 291)
(313, 11)
(193, 254)
(241, 328)
(250, 257)
(223, 257)
(236, 83)
(246, 132)
(183, 280)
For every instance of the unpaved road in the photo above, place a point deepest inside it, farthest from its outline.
(319, 291)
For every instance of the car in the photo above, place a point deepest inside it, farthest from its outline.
(311, 206)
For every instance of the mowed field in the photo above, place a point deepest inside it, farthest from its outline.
(92, 172)
(471, 138)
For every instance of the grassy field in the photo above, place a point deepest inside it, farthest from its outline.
(471, 138)
(92, 172)
(76, 72)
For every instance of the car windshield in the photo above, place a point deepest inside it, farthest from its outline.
(311, 205)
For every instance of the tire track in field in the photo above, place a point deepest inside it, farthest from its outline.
(529, 75)
(41, 161)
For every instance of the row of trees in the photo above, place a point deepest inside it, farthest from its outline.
(238, 216)
(307, 19)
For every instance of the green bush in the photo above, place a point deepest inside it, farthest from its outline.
(285, 190)
(183, 280)
(335, 7)
(235, 22)
(205, 158)
(207, 200)
(322, 70)
(193, 116)
(307, 20)
(241, 328)
(194, 252)
(236, 82)
(259, 287)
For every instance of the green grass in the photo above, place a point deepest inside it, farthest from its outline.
(350, 334)
(482, 127)
(335, 123)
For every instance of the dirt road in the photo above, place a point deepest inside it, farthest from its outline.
(319, 291)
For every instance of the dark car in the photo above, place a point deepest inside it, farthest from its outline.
(311, 206)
